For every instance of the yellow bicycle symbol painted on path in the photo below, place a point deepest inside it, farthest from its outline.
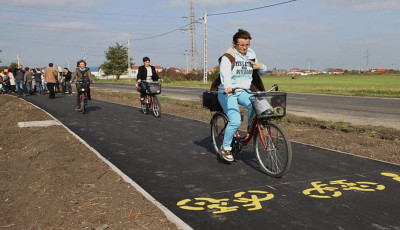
(251, 200)
(326, 191)
(392, 175)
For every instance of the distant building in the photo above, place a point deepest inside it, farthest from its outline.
(336, 71)
(96, 71)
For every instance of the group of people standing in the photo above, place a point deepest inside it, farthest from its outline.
(27, 81)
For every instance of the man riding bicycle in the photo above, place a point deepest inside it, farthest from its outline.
(82, 74)
(237, 67)
(146, 74)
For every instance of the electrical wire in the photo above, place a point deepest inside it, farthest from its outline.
(86, 12)
(257, 8)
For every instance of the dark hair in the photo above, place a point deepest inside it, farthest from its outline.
(146, 59)
(241, 34)
(66, 68)
(50, 64)
(26, 68)
(79, 62)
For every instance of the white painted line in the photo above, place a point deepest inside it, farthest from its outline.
(37, 123)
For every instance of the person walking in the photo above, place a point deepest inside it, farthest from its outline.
(67, 75)
(50, 76)
(19, 79)
(28, 80)
(238, 68)
(37, 75)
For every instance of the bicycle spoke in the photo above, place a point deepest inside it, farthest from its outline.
(273, 150)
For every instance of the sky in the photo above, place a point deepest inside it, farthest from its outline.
(316, 34)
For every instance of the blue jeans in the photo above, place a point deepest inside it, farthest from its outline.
(20, 87)
(39, 88)
(143, 87)
(231, 109)
(68, 87)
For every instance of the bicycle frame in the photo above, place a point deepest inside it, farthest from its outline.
(255, 129)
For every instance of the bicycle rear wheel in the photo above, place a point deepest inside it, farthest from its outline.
(275, 158)
(156, 107)
(218, 125)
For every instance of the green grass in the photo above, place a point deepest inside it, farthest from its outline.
(354, 85)
(351, 85)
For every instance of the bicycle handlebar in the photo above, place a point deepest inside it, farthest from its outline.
(275, 86)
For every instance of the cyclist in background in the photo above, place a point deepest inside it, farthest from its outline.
(146, 74)
(238, 68)
(82, 73)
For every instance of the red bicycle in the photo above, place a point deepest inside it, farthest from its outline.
(151, 100)
(271, 144)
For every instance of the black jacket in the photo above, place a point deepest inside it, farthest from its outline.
(142, 73)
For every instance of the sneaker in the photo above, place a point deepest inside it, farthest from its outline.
(77, 108)
(226, 154)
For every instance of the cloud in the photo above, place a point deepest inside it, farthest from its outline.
(56, 3)
(366, 5)
(211, 3)
(288, 25)
(72, 25)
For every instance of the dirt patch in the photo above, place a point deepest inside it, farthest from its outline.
(46, 185)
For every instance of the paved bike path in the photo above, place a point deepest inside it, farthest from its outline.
(172, 159)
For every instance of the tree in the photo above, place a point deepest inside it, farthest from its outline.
(116, 63)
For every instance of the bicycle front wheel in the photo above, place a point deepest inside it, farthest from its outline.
(143, 105)
(156, 107)
(82, 102)
(273, 150)
(218, 126)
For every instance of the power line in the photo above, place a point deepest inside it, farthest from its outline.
(159, 35)
(66, 16)
(257, 8)
(86, 12)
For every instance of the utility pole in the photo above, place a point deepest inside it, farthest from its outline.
(367, 65)
(84, 54)
(129, 59)
(186, 60)
(309, 65)
(205, 49)
(18, 60)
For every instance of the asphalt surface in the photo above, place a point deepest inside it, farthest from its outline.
(172, 159)
(355, 110)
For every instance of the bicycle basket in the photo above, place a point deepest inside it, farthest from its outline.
(277, 100)
(210, 101)
(154, 88)
(82, 86)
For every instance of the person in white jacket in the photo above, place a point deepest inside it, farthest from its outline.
(237, 68)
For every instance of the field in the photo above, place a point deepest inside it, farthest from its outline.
(352, 85)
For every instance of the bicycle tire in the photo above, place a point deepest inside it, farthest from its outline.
(275, 161)
(82, 103)
(156, 107)
(218, 125)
